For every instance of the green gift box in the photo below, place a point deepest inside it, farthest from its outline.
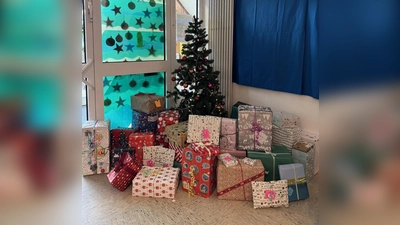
(280, 155)
(235, 110)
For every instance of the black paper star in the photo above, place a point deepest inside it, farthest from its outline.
(129, 47)
(139, 21)
(152, 37)
(158, 12)
(106, 82)
(152, 51)
(108, 22)
(147, 13)
(153, 26)
(117, 87)
(120, 102)
(116, 10)
(118, 48)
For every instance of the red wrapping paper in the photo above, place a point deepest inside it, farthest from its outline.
(119, 139)
(205, 163)
(165, 118)
(138, 140)
(124, 171)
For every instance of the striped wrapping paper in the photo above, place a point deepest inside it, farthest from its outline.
(178, 152)
(285, 136)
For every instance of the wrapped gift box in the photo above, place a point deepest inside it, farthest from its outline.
(270, 194)
(285, 120)
(147, 103)
(234, 183)
(313, 138)
(178, 152)
(280, 155)
(161, 140)
(179, 166)
(204, 128)
(285, 136)
(116, 154)
(146, 122)
(297, 183)
(304, 152)
(156, 182)
(166, 118)
(95, 147)
(138, 141)
(124, 171)
(234, 152)
(202, 157)
(255, 128)
(177, 134)
(235, 110)
(158, 156)
(228, 160)
(228, 134)
(119, 139)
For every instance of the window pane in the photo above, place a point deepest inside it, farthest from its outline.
(132, 30)
(119, 89)
(185, 10)
(83, 37)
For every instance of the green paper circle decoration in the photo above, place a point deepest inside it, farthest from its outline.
(161, 80)
(132, 83)
(162, 39)
(107, 102)
(145, 84)
(128, 36)
(124, 25)
(105, 3)
(131, 5)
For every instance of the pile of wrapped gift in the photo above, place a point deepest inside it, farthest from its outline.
(256, 155)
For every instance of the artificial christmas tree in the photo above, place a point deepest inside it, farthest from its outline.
(197, 89)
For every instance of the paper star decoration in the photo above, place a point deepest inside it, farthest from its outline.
(118, 48)
(158, 12)
(152, 37)
(153, 26)
(139, 22)
(152, 51)
(117, 87)
(147, 13)
(108, 22)
(120, 102)
(129, 47)
(106, 82)
(116, 10)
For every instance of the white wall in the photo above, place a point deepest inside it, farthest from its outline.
(304, 106)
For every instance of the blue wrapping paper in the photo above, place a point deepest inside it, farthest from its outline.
(297, 184)
(145, 122)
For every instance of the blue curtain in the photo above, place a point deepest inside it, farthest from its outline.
(275, 45)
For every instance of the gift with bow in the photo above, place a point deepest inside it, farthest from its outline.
(124, 171)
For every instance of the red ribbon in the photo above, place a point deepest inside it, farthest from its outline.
(241, 170)
(242, 183)
(125, 163)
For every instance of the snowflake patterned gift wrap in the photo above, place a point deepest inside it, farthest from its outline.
(228, 133)
(95, 147)
(304, 152)
(202, 157)
(285, 120)
(119, 139)
(312, 138)
(297, 183)
(124, 171)
(138, 140)
(285, 136)
(204, 128)
(156, 182)
(234, 183)
(145, 122)
(255, 128)
(147, 103)
(270, 194)
(158, 156)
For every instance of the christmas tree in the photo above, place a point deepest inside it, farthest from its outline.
(197, 89)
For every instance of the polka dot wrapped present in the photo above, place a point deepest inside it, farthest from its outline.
(156, 182)
(270, 194)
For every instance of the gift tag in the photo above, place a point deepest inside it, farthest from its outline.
(263, 138)
(157, 103)
(249, 161)
(206, 134)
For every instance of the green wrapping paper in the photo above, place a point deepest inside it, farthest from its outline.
(235, 110)
(280, 155)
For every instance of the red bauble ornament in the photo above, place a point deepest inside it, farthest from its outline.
(210, 85)
(182, 101)
(184, 90)
(181, 83)
(196, 98)
(217, 87)
(184, 58)
(200, 68)
(222, 103)
(180, 68)
(173, 79)
(205, 59)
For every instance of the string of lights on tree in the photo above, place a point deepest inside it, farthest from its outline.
(197, 89)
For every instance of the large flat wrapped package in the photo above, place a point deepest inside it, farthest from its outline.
(313, 138)
(204, 128)
(228, 134)
(304, 152)
(285, 136)
(156, 182)
(270, 194)
(158, 156)
(284, 119)
(234, 182)
(95, 147)
(147, 103)
(297, 183)
(255, 128)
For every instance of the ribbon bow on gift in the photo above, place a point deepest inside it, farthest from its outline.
(270, 194)
(256, 129)
(150, 163)
(203, 145)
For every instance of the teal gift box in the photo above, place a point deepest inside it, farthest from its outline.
(178, 165)
(297, 183)
(235, 109)
(271, 160)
